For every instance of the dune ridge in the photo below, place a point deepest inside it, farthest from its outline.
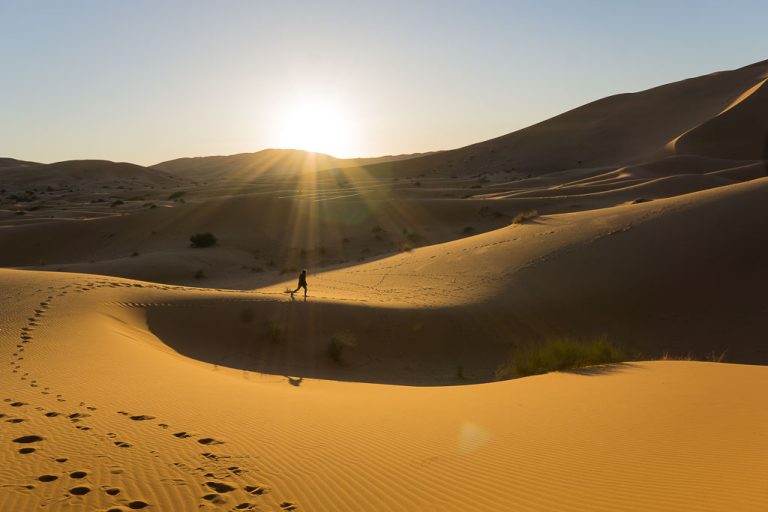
(140, 373)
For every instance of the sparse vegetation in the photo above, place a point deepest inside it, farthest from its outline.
(338, 344)
(467, 230)
(200, 274)
(559, 354)
(26, 197)
(275, 333)
(117, 203)
(176, 195)
(488, 212)
(201, 240)
(415, 238)
(524, 216)
(134, 254)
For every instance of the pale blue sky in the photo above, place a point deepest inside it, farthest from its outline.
(146, 81)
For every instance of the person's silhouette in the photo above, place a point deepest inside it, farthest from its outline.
(302, 283)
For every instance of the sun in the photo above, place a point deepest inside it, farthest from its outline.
(317, 126)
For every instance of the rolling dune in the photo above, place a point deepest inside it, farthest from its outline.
(140, 373)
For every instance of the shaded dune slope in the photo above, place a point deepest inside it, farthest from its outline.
(621, 129)
(411, 316)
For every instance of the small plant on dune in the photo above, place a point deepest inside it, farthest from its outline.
(559, 354)
(201, 240)
(199, 274)
(488, 212)
(467, 230)
(118, 202)
(524, 216)
(176, 195)
(340, 342)
(275, 332)
(415, 238)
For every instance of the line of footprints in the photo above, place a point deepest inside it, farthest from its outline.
(214, 467)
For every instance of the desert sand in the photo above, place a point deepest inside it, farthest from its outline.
(140, 373)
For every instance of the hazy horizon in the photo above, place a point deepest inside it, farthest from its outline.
(145, 83)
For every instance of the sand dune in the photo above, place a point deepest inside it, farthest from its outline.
(618, 130)
(141, 373)
(637, 436)
(274, 163)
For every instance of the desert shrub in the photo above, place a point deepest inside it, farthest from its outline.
(176, 195)
(27, 196)
(467, 230)
(275, 332)
(338, 343)
(117, 203)
(199, 274)
(559, 354)
(134, 254)
(488, 212)
(200, 240)
(524, 216)
(415, 238)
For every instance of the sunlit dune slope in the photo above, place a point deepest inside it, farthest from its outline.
(124, 421)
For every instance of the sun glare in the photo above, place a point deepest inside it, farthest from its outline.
(316, 126)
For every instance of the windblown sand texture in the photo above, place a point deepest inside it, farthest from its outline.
(139, 373)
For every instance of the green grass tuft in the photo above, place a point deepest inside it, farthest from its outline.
(524, 216)
(560, 354)
(338, 343)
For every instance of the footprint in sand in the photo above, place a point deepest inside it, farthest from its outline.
(215, 499)
(142, 417)
(209, 440)
(78, 474)
(220, 487)
(47, 478)
(80, 490)
(28, 439)
(122, 444)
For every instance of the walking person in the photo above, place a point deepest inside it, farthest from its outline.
(302, 283)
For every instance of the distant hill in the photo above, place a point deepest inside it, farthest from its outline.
(12, 163)
(20, 173)
(721, 115)
(251, 165)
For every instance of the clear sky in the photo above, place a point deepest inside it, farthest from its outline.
(147, 81)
